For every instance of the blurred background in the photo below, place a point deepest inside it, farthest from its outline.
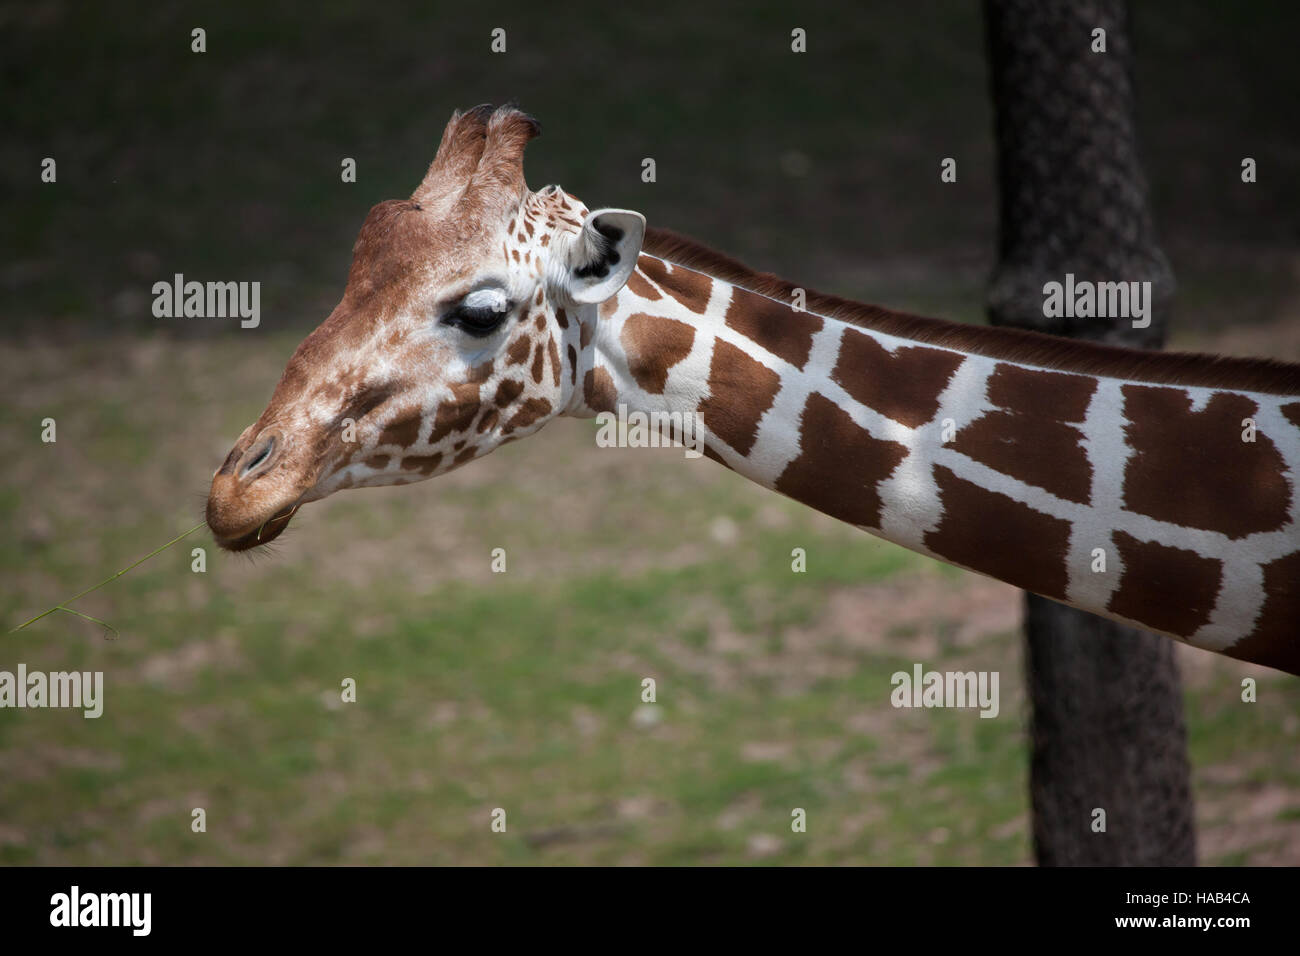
(522, 690)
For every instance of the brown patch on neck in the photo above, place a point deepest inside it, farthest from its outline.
(1027, 348)
(773, 325)
(1275, 641)
(1168, 589)
(1032, 438)
(1236, 488)
(688, 286)
(653, 345)
(993, 534)
(740, 391)
(598, 390)
(637, 285)
(903, 385)
(1060, 397)
(839, 464)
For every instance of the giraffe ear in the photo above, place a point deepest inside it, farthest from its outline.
(604, 254)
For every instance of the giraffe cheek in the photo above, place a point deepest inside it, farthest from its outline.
(457, 415)
(402, 433)
(527, 416)
(422, 465)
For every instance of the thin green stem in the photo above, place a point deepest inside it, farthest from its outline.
(103, 624)
(64, 607)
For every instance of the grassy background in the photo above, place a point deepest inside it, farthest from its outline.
(522, 690)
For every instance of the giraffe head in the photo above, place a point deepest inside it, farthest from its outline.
(459, 330)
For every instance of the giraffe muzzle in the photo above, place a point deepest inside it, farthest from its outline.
(254, 494)
(264, 533)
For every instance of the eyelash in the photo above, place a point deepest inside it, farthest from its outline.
(479, 323)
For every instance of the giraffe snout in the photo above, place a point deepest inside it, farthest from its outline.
(256, 491)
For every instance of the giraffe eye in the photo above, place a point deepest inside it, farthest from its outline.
(480, 313)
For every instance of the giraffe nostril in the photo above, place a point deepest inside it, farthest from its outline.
(257, 456)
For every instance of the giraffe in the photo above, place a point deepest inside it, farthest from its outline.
(1158, 489)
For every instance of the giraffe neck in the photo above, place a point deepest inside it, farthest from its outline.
(1118, 494)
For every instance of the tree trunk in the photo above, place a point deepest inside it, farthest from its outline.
(1107, 724)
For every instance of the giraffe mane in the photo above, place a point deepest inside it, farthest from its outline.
(1194, 369)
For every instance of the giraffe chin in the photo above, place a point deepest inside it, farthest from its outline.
(263, 534)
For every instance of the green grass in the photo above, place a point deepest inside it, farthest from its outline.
(522, 690)
(477, 691)
(514, 663)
